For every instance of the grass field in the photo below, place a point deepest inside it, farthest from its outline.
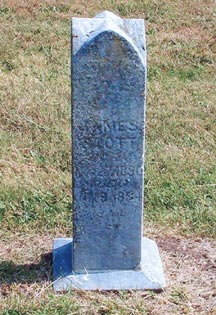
(35, 154)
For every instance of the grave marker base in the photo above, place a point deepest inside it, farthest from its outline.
(150, 277)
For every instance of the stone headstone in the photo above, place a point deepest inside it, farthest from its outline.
(108, 114)
(108, 132)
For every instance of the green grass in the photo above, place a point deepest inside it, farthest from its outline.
(35, 111)
(35, 151)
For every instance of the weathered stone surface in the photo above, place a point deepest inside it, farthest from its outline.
(108, 92)
(108, 86)
(150, 277)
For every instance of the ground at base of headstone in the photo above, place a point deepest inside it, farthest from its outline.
(150, 277)
(26, 279)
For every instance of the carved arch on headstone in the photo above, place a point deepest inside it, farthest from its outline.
(112, 34)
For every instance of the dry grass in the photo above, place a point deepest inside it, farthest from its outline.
(35, 107)
(189, 263)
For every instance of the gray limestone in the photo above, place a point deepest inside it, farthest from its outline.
(150, 277)
(108, 113)
(108, 134)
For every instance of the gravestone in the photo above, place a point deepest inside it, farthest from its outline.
(108, 125)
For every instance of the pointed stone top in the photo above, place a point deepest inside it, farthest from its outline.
(107, 15)
(132, 30)
(110, 18)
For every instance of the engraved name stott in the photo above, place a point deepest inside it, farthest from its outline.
(108, 126)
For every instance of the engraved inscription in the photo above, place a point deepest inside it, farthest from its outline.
(121, 170)
(105, 196)
(109, 182)
(114, 184)
(108, 127)
(109, 135)
(108, 131)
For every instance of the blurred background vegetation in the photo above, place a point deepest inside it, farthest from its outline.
(35, 98)
(35, 154)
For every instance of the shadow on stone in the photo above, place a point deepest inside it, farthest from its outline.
(26, 273)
